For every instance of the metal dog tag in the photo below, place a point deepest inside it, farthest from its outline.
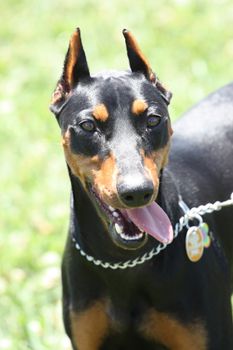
(194, 243)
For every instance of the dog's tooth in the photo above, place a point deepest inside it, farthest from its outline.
(127, 237)
(115, 214)
(119, 229)
(111, 208)
(131, 238)
(124, 236)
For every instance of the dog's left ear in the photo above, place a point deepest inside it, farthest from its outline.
(139, 63)
(75, 69)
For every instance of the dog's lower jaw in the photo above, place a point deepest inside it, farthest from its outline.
(127, 242)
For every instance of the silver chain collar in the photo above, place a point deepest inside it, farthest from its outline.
(189, 214)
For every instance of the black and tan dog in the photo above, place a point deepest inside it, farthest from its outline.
(116, 135)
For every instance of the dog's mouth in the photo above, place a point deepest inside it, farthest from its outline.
(129, 228)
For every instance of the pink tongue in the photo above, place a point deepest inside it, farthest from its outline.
(153, 220)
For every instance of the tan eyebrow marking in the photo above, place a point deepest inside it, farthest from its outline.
(100, 112)
(138, 107)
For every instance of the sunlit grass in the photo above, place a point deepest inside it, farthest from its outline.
(190, 46)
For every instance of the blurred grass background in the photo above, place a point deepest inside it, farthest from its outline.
(190, 46)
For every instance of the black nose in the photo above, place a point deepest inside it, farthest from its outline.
(135, 194)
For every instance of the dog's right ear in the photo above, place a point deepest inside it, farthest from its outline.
(75, 69)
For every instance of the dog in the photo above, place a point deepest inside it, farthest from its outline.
(130, 280)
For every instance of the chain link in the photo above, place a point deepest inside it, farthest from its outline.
(190, 214)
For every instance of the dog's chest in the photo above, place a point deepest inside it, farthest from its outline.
(108, 325)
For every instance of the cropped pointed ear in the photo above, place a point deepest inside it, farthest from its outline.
(139, 63)
(75, 69)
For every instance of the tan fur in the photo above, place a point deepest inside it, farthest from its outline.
(81, 166)
(100, 113)
(133, 43)
(105, 181)
(101, 173)
(155, 162)
(73, 56)
(168, 331)
(60, 91)
(138, 107)
(89, 327)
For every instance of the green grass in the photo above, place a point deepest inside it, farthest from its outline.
(190, 46)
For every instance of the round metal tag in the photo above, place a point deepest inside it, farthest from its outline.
(194, 244)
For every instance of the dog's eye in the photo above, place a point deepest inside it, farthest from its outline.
(87, 125)
(153, 120)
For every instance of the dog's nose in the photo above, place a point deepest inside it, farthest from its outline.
(135, 194)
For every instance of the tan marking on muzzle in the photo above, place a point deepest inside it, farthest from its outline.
(100, 113)
(100, 172)
(170, 332)
(155, 162)
(138, 107)
(105, 181)
(89, 327)
(81, 166)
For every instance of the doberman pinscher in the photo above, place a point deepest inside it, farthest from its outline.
(126, 283)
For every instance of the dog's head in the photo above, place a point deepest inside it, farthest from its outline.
(115, 133)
